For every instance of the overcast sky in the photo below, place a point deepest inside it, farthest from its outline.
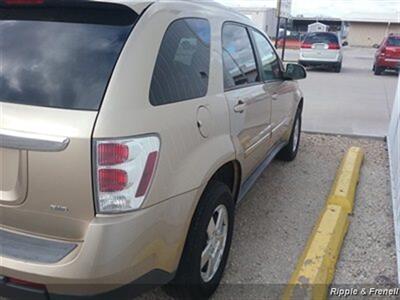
(346, 9)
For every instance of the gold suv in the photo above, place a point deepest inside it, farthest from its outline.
(129, 132)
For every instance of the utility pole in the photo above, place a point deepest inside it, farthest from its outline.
(278, 14)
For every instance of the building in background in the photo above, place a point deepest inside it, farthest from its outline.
(318, 27)
(357, 32)
(302, 25)
(364, 33)
(265, 18)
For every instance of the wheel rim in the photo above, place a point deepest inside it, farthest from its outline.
(296, 135)
(217, 232)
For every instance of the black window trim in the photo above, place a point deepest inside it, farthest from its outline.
(209, 66)
(251, 29)
(259, 82)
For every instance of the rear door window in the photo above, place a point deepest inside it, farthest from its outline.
(60, 57)
(240, 67)
(183, 63)
(320, 37)
(270, 64)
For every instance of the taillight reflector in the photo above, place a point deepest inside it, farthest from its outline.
(112, 180)
(112, 154)
(25, 283)
(147, 174)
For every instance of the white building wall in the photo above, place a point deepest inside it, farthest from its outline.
(366, 34)
(265, 18)
(394, 157)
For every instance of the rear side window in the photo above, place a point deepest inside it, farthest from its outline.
(183, 63)
(240, 66)
(393, 41)
(321, 37)
(60, 57)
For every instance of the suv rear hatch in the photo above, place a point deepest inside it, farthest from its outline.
(320, 45)
(56, 62)
(392, 48)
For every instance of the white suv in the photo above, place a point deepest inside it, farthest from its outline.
(321, 49)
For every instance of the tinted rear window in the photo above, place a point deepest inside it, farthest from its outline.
(60, 57)
(324, 38)
(393, 41)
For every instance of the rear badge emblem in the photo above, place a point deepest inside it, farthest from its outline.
(59, 208)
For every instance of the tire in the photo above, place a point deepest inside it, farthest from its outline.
(192, 280)
(338, 68)
(289, 152)
(378, 70)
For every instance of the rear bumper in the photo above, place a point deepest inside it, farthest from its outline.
(318, 62)
(9, 291)
(117, 250)
(313, 59)
(148, 281)
(388, 63)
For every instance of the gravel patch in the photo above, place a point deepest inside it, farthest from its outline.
(274, 223)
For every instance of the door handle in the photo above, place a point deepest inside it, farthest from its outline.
(240, 106)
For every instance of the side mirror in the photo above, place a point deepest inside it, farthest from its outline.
(345, 43)
(376, 46)
(295, 72)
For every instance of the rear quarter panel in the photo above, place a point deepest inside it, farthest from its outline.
(187, 159)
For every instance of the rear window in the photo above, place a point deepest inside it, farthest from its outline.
(320, 37)
(60, 57)
(394, 41)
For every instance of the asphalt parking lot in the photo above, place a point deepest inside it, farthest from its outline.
(354, 102)
(273, 225)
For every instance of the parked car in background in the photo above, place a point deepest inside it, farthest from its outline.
(387, 56)
(321, 49)
(129, 133)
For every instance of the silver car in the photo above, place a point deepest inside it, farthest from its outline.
(321, 49)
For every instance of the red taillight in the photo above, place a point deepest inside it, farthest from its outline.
(23, 2)
(306, 46)
(112, 180)
(112, 154)
(333, 46)
(25, 283)
(147, 174)
(124, 169)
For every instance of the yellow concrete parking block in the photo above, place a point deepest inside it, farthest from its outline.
(315, 269)
(345, 185)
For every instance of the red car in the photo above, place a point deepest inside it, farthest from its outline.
(388, 55)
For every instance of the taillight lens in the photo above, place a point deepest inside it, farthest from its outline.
(112, 154)
(124, 170)
(306, 46)
(112, 180)
(333, 46)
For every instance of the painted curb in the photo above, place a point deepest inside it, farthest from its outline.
(315, 268)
